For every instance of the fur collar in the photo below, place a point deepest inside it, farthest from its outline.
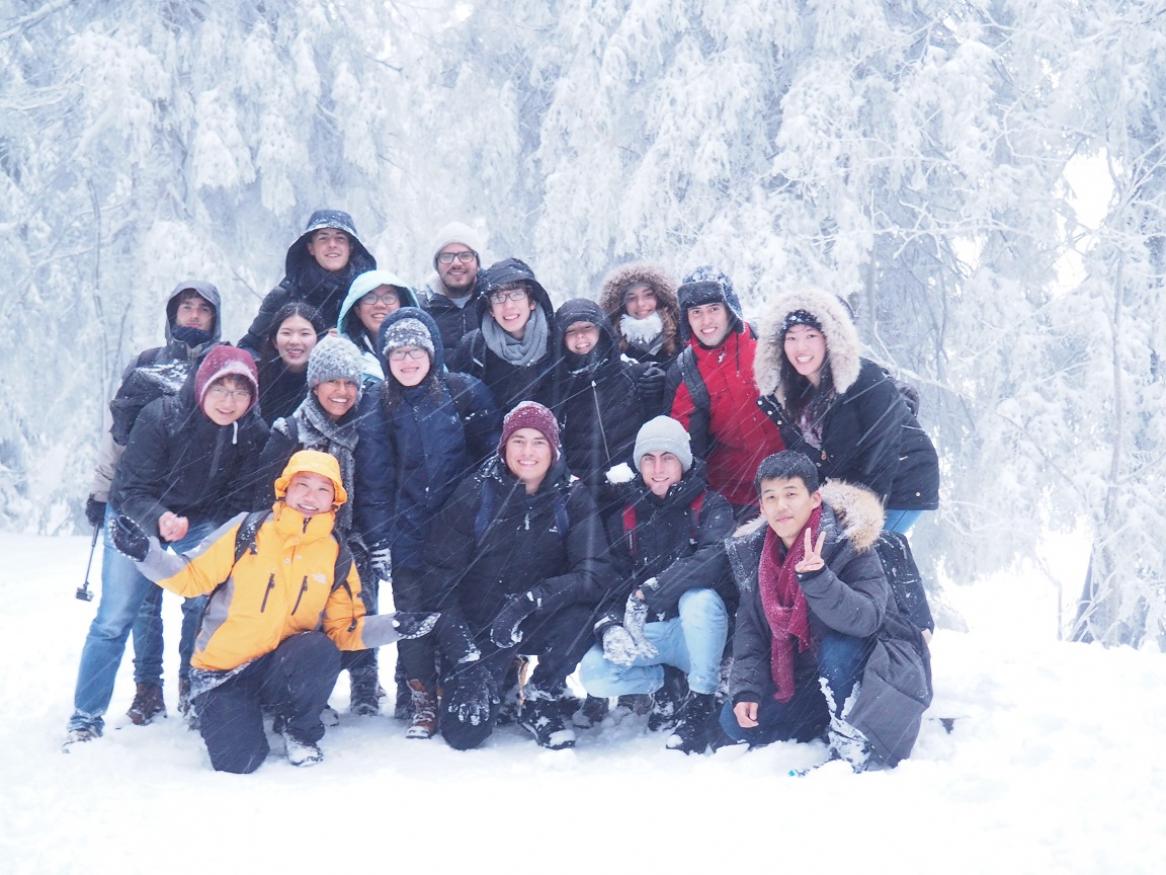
(844, 348)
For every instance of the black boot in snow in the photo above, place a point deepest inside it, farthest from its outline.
(362, 699)
(667, 700)
(694, 724)
(147, 704)
(590, 713)
(542, 716)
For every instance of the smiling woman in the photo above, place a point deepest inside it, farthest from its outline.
(284, 361)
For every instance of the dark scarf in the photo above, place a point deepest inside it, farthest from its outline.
(785, 606)
(318, 431)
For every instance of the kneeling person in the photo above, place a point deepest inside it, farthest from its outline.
(284, 596)
(668, 549)
(820, 646)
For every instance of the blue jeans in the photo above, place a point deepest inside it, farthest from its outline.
(148, 639)
(901, 521)
(694, 642)
(123, 591)
(841, 659)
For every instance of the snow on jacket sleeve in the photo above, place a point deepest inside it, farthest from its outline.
(198, 571)
(346, 622)
(850, 593)
(706, 567)
(483, 419)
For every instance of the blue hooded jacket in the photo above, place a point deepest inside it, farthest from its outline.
(416, 444)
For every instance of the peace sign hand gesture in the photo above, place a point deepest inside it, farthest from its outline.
(812, 560)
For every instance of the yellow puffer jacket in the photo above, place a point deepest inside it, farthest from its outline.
(281, 586)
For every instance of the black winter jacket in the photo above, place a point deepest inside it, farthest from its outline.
(870, 437)
(673, 545)
(178, 460)
(521, 544)
(597, 399)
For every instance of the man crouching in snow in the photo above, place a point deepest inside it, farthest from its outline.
(820, 644)
(284, 596)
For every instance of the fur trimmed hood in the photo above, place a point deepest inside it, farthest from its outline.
(843, 348)
(857, 515)
(662, 283)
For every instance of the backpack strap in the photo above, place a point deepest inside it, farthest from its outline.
(562, 520)
(485, 514)
(343, 563)
(245, 534)
(694, 516)
(692, 378)
(629, 528)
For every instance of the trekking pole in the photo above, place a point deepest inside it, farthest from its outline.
(83, 592)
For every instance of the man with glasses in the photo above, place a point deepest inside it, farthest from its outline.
(513, 349)
(189, 465)
(453, 289)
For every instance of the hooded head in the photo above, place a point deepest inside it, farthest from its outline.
(312, 462)
(830, 315)
(513, 270)
(411, 326)
(584, 310)
(348, 323)
(226, 361)
(193, 337)
(707, 285)
(298, 256)
(613, 299)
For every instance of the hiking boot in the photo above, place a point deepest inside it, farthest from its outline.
(328, 716)
(635, 703)
(542, 716)
(80, 735)
(423, 723)
(363, 700)
(186, 706)
(694, 724)
(301, 753)
(147, 704)
(591, 713)
(667, 700)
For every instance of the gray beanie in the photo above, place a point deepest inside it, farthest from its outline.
(664, 435)
(335, 358)
(407, 332)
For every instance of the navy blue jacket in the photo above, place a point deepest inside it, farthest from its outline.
(415, 445)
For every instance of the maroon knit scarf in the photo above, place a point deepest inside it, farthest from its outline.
(785, 605)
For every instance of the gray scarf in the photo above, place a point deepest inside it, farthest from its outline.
(315, 430)
(527, 351)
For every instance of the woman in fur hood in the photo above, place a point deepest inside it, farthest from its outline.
(841, 410)
(640, 300)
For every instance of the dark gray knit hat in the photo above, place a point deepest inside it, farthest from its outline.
(335, 358)
(406, 332)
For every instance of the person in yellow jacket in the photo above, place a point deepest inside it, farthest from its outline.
(285, 599)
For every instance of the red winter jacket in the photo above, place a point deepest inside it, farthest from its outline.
(732, 435)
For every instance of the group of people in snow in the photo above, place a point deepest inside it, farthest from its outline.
(704, 518)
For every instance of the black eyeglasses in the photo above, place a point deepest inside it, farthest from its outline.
(450, 257)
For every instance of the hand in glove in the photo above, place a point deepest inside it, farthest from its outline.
(475, 695)
(380, 565)
(634, 619)
(504, 630)
(650, 388)
(94, 511)
(129, 538)
(618, 646)
(414, 624)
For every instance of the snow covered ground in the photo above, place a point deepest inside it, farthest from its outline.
(1058, 764)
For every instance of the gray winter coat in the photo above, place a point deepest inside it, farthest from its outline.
(850, 595)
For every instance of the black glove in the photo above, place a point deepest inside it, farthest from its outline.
(129, 538)
(94, 511)
(475, 695)
(456, 641)
(650, 388)
(504, 630)
(414, 624)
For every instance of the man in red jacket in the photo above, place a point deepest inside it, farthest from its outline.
(712, 391)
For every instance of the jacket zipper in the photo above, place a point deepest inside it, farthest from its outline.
(303, 589)
(267, 592)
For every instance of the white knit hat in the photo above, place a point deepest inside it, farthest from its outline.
(459, 232)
